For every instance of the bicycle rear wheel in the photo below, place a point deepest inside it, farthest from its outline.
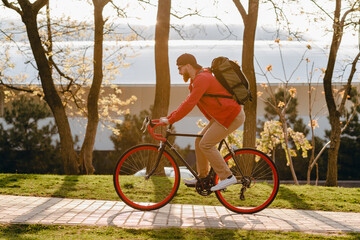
(258, 182)
(138, 191)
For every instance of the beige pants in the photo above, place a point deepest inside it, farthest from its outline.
(206, 150)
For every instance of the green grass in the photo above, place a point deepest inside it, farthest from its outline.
(101, 187)
(47, 232)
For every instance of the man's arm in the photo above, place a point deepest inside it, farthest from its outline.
(200, 86)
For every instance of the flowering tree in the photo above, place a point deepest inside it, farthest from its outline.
(273, 135)
(59, 86)
(281, 105)
(313, 119)
(336, 17)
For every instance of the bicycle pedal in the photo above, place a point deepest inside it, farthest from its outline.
(190, 185)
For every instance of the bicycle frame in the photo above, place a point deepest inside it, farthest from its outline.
(164, 142)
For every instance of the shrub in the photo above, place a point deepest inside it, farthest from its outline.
(24, 146)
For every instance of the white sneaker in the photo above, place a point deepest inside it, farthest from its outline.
(192, 181)
(224, 183)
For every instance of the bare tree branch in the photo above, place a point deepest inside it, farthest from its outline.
(279, 12)
(322, 9)
(147, 2)
(241, 10)
(269, 89)
(328, 143)
(10, 5)
(12, 87)
(60, 72)
(196, 13)
(348, 85)
(39, 4)
(15, 88)
(120, 11)
(347, 89)
(342, 23)
(136, 32)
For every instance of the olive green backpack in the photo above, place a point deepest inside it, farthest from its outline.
(229, 74)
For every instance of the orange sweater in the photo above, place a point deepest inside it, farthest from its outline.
(222, 110)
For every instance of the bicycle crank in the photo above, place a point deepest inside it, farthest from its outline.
(203, 187)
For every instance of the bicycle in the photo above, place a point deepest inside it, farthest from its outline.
(147, 177)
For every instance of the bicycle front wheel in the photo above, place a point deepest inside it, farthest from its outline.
(258, 182)
(136, 188)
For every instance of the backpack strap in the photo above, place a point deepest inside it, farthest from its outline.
(203, 70)
(215, 95)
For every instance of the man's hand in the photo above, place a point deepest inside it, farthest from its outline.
(164, 120)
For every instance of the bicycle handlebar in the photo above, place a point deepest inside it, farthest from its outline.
(151, 125)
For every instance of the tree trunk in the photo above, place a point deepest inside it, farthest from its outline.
(332, 170)
(312, 157)
(287, 152)
(68, 153)
(308, 175)
(86, 153)
(162, 91)
(250, 22)
(334, 115)
(162, 88)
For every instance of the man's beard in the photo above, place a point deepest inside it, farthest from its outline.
(186, 77)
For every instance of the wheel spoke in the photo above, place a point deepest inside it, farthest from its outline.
(261, 171)
(136, 190)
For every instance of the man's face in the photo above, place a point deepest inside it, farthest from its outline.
(184, 72)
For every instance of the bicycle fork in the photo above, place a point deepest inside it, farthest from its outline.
(161, 151)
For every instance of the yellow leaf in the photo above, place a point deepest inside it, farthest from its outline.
(269, 68)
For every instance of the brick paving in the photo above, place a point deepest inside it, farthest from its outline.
(43, 210)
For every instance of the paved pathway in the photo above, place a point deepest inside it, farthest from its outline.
(43, 210)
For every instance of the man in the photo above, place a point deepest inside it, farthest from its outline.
(224, 116)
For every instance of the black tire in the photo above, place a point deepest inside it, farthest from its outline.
(137, 191)
(262, 182)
